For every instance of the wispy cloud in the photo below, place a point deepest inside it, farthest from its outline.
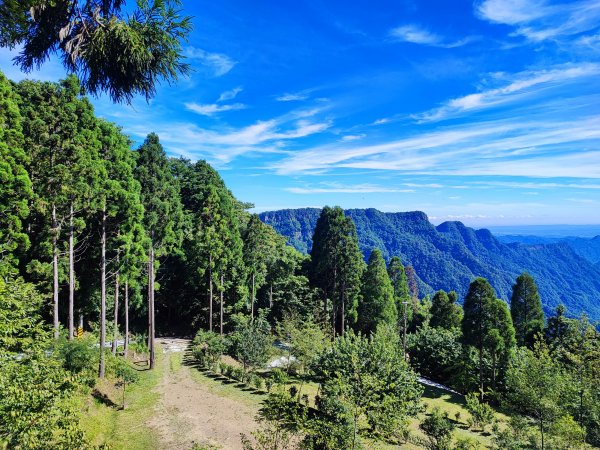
(557, 149)
(218, 63)
(292, 97)
(520, 84)
(329, 188)
(416, 34)
(222, 145)
(229, 95)
(211, 109)
(540, 20)
(353, 137)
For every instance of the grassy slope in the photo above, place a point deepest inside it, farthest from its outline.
(123, 429)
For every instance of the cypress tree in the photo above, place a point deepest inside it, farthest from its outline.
(445, 313)
(163, 215)
(477, 320)
(377, 305)
(336, 266)
(16, 191)
(526, 310)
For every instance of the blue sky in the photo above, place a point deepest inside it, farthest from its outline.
(486, 112)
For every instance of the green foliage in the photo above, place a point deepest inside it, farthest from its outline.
(482, 414)
(526, 310)
(16, 186)
(445, 312)
(79, 356)
(251, 342)
(35, 389)
(377, 305)
(208, 347)
(370, 377)
(336, 266)
(114, 52)
(435, 352)
(438, 428)
(536, 385)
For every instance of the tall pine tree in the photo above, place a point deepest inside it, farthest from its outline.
(163, 215)
(377, 305)
(526, 310)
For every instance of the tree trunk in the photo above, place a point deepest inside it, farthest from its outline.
(542, 431)
(55, 270)
(222, 290)
(253, 295)
(71, 274)
(126, 307)
(343, 316)
(102, 294)
(481, 372)
(210, 295)
(151, 308)
(271, 295)
(116, 316)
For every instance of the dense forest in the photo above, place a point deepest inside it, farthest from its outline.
(104, 247)
(450, 255)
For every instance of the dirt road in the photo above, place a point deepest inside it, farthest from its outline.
(190, 412)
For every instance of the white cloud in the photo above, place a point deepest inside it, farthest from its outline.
(416, 34)
(343, 189)
(229, 95)
(222, 145)
(211, 109)
(519, 85)
(353, 137)
(539, 20)
(292, 97)
(558, 149)
(218, 63)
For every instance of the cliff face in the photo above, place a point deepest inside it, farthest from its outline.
(450, 255)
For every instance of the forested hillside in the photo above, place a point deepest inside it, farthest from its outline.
(450, 255)
(588, 248)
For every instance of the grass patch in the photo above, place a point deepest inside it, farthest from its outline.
(104, 423)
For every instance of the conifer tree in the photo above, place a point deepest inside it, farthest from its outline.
(16, 191)
(336, 266)
(445, 313)
(121, 211)
(526, 310)
(477, 320)
(163, 215)
(377, 305)
(120, 53)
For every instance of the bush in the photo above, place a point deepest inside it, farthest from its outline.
(257, 382)
(438, 428)
(279, 376)
(467, 443)
(79, 356)
(482, 414)
(207, 348)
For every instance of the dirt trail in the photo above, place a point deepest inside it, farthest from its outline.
(188, 412)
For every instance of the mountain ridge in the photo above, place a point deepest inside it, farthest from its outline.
(448, 256)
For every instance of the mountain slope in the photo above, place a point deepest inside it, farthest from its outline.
(450, 255)
(588, 248)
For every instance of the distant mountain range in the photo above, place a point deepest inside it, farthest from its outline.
(450, 255)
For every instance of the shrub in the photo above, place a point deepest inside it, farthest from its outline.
(482, 414)
(438, 428)
(279, 376)
(207, 348)
(257, 382)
